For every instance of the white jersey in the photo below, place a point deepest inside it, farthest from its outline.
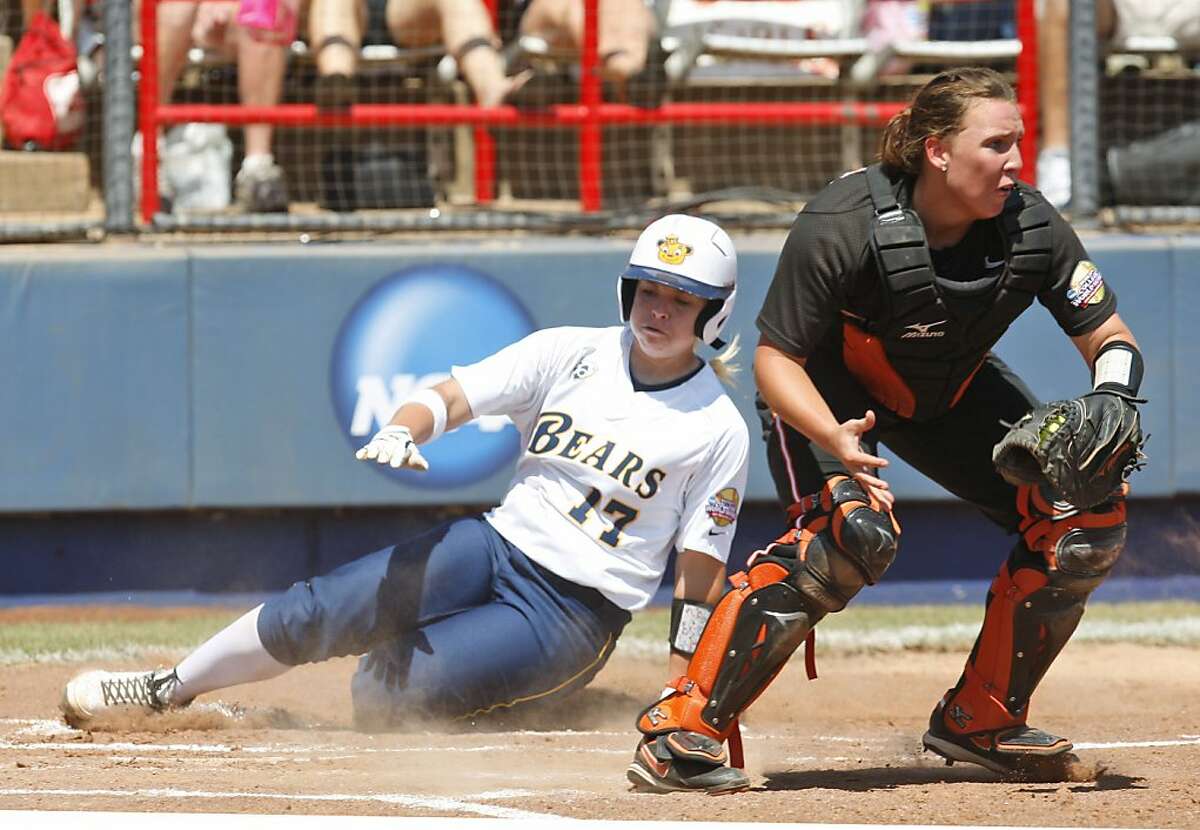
(610, 478)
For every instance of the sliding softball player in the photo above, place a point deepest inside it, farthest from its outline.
(632, 449)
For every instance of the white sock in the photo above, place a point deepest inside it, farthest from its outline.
(231, 656)
(258, 162)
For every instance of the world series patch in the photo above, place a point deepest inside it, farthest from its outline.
(723, 507)
(1087, 286)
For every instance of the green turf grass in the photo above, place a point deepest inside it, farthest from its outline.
(861, 628)
(891, 627)
(43, 641)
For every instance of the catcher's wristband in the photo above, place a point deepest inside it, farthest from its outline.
(688, 619)
(1118, 368)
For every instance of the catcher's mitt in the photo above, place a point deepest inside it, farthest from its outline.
(1083, 448)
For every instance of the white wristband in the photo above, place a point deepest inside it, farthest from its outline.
(1114, 366)
(431, 400)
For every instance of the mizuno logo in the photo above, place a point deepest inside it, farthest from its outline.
(922, 330)
(990, 263)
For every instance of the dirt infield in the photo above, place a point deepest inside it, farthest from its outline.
(843, 749)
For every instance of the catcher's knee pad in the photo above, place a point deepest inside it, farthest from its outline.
(850, 543)
(1034, 606)
(1080, 547)
(843, 543)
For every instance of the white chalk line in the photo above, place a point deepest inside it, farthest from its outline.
(77, 820)
(1184, 740)
(301, 755)
(333, 752)
(264, 754)
(46, 726)
(125, 746)
(433, 803)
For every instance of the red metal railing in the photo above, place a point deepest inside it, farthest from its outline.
(589, 115)
(1028, 87)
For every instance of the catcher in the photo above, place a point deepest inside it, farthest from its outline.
(893, 285)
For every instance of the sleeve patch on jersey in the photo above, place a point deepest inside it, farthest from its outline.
(723, 507)
(1087, 286)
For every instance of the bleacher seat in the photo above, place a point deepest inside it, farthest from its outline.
(708, 41)
(1144, 53)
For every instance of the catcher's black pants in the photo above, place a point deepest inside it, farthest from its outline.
(954, 449)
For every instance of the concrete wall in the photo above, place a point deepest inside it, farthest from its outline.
(180, 417)
(220, 376)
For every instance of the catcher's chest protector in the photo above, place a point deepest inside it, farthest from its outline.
(918, 360)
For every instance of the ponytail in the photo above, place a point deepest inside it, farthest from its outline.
(722, 364)
(937, 111)
(898, 151)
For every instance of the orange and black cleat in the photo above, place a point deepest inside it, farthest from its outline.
(1015, 751)
(683, 761)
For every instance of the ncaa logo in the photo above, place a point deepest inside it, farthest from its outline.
(404, 334)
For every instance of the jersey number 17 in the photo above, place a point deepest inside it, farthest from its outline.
(622, 515)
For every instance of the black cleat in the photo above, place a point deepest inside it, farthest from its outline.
(1019, 750)
(683, 762)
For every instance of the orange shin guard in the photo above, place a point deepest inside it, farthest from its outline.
(1033, 608)
(686, 709)
(979, 702)
(842, 543)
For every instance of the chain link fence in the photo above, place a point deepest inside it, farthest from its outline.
(737, 109)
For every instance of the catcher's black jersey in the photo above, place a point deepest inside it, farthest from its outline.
(827, 271)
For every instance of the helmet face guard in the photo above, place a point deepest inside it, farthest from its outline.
(691, 255)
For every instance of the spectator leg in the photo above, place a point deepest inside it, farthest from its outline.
(28, 9)
(175, 22)
(1054, 72)
(626, 27)
(1054, 163)
(259, 185)
(215, 29)
(261, 67)
(416, 23)
(335, 30)
(1106, 20)
(554, 22)
(465, 27)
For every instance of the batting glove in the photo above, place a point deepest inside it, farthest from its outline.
(393, 445)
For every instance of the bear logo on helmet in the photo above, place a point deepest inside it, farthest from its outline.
(672, 251)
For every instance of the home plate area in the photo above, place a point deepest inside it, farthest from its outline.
(844, 749)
